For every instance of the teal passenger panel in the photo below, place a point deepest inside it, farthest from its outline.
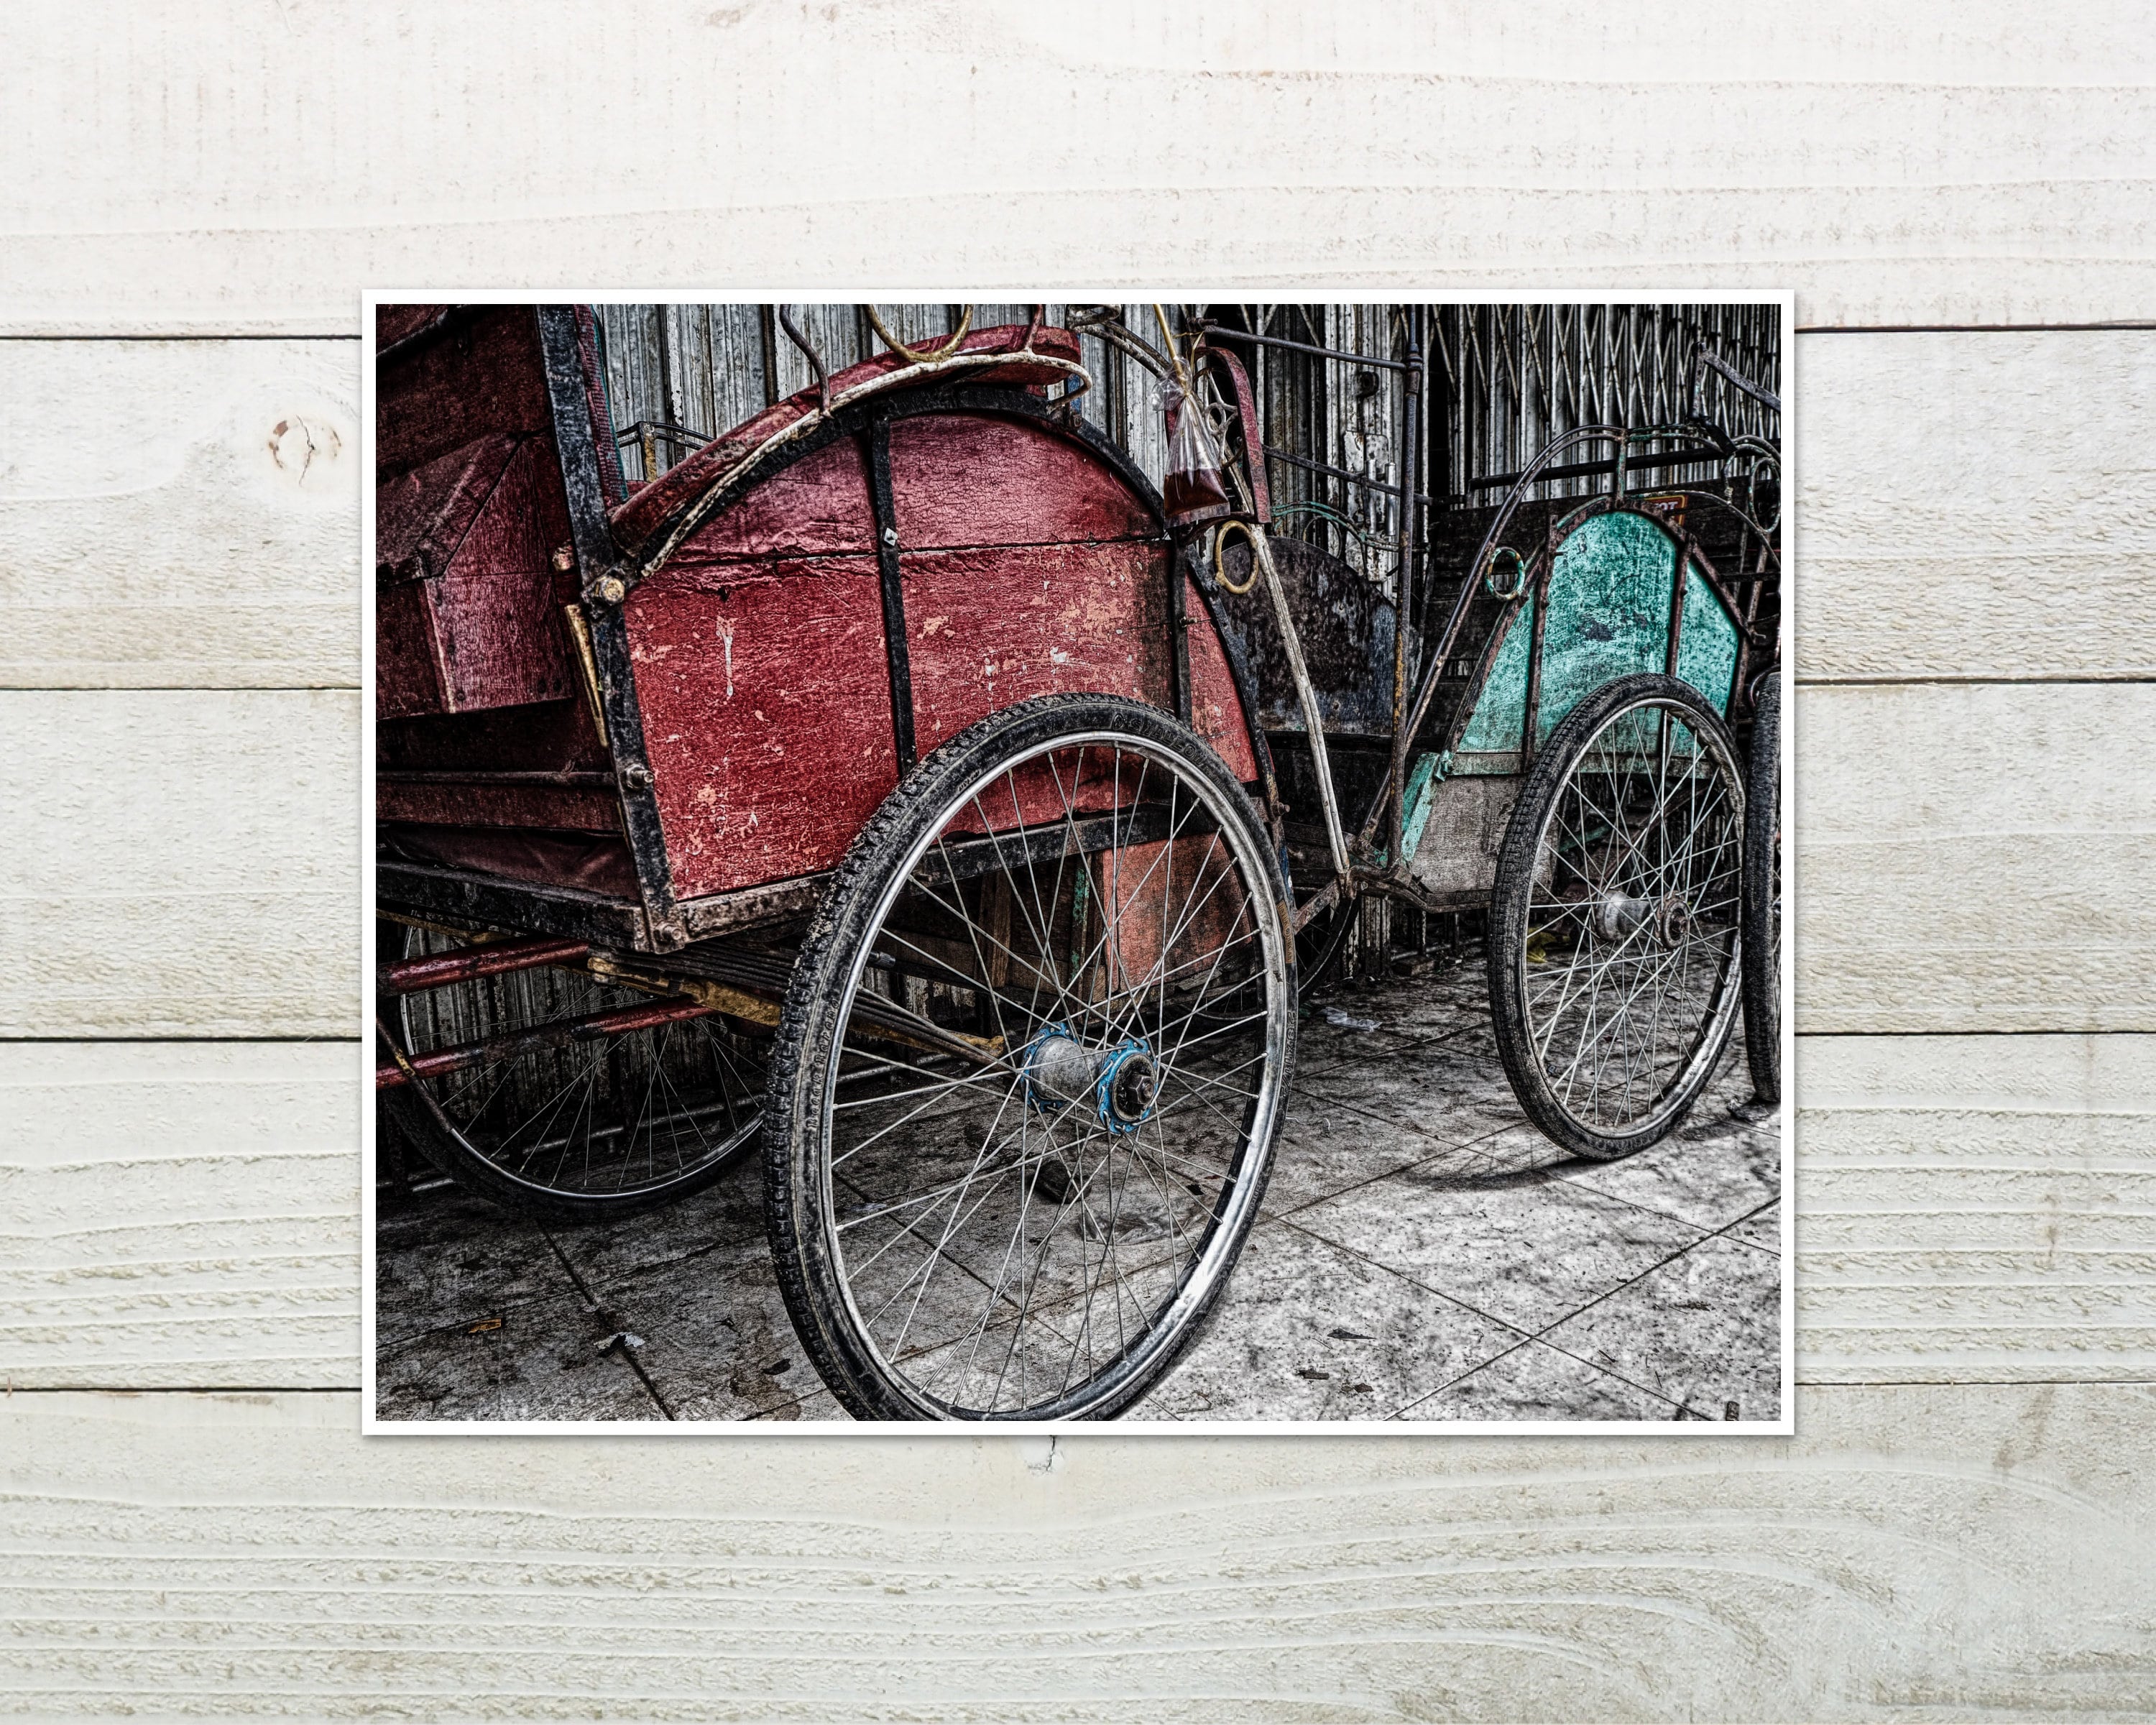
(1610, 616)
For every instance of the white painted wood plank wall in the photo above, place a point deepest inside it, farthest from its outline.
(1967, 1519)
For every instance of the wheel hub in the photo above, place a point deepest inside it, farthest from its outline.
(1616, 915)
(1129, 1086)
(1122, 1083)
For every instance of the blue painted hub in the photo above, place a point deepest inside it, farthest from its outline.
(1129, 1088)
(1122, 1083)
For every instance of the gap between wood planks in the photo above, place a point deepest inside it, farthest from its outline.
(1802, 329)
(1318, 1427)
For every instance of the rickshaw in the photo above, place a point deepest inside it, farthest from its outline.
(886, 790)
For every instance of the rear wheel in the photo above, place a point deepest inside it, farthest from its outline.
(1027, 1082)
(572, 1097)
(1762, 896)
(1614, 927)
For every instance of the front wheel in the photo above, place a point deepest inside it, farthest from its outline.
(1614, 927)
(1029, 1075)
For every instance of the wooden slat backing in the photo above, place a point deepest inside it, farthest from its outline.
(207, 168)
(180, 863)
(1976, 1208)
(1971, 507)
(1971, 858)
(1976, 505)
(179, 514)
(179, 1213)
(1934, 1551)
(1975, 857)
(1969, 1207)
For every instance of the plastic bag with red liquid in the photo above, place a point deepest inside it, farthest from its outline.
(1194, 484)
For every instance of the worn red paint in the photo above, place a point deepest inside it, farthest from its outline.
(469, 506)
(817, 508)
(991, 625)
(637, 521)
(973, 478)
(1180, 895)
(767, 715)
(1027, 567)
(583, 860)
(412, 976)
(577, 809)
(595, 1027)
(482, 629)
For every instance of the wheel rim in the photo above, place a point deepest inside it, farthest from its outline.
(1022, 1231)
(1628, 971)
(614, 1121)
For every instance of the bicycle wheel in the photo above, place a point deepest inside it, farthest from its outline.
(569, 1097)
(1026, 1085)
(1613, 948)
(1762, 896)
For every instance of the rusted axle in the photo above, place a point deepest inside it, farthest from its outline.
(599, 1025)
(410, 976)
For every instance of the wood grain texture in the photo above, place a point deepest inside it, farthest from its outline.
(1976, 507)
(187, 1213)
(179, 1213)
(1976, 1208)
(1974, 857)
(1966, 169)
(179, 514)
(180, 863)
(1926, 1551)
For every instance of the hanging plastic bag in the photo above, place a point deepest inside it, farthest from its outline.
(1195, 487)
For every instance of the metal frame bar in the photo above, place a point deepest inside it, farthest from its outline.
(1701, 456)
(438, 970)
(1538, 622)
(464, 898)
(1404, 586)
(604, 585)
(898, 661)
(1678, 582)
(1341, 474)
(1210, 328)
(558, 1033)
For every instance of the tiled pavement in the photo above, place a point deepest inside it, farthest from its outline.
(1422, 1253)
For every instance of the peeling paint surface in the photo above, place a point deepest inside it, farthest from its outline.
(1026, 567)
(1609, 596)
